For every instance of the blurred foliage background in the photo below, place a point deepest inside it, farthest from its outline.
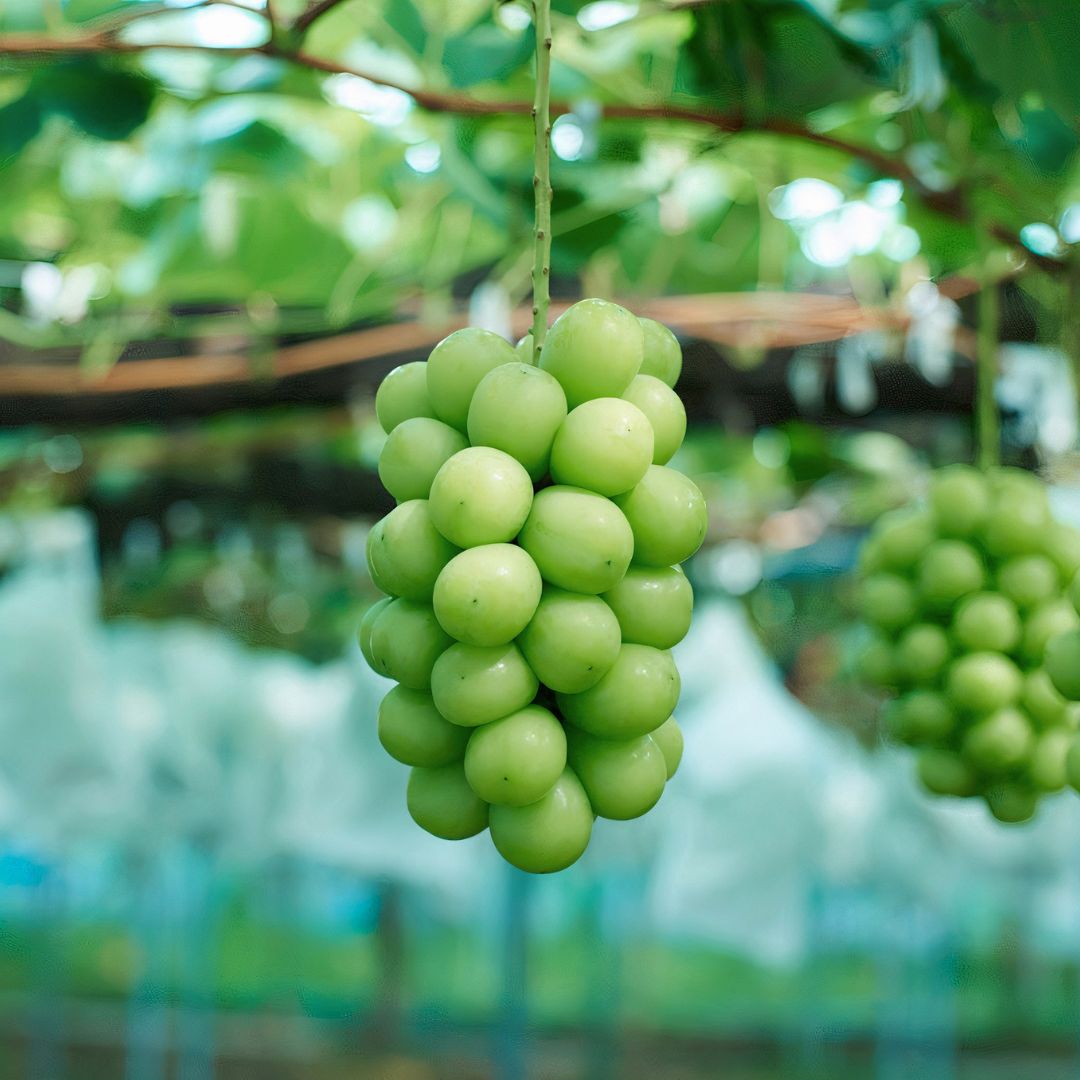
(285, 174)
(222, 223)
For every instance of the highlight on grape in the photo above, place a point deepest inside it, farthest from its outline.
(975, 635)
(532, 580)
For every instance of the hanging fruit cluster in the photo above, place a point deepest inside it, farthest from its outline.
(531, 567)
(968, 596)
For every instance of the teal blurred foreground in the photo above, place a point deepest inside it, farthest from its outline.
(207, 870)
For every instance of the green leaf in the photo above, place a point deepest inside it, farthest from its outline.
(255, 148)
(20, 121)
(572, 249)
(101, 351)
(472, 184)
(775, 56)
(106, 102)
(486, 53)
(23, 15)
(959, 66)
(405, 20)
(84, 10)
(1047, 140)
(1023, 48)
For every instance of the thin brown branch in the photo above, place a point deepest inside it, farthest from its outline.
(104, 42)
(766, 320)
(954, 203)
(313, 11)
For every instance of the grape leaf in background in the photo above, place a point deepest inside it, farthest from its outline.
(104, 100)
(486, 53)
(20, 121)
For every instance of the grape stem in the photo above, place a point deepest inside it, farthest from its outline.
(988, 428)
(541, 112)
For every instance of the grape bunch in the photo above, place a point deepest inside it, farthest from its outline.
(968, 597)
(532, 580)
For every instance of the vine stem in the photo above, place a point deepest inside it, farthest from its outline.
(987, 422)
(541, 112)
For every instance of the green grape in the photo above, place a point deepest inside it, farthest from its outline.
(944, 772)
(922, 652)
(518, 759)
(1047, 767)
(1046, 622)
(549, 834)
(1074, 592)
(1072, 763)
(1063, 664)
(524, 350)
(960, 499)
(948, 571)
(623, 778)
(887, 601)
(1041, 701)
(653, 606)
(1011, 803)
(876, 663)
(1062, 544)
(1000, 742)
(594, 349)
(668, 516)
(1029, 580)
(987, 622)
(1005, 479)
(363, 633)
(871, 557)
(636, 695)
(414, 452)
(604, 445)
(983, 682)
(518, 409)
(412, 731)
(665, 412)
(902, 537)
(571, 641)
(480, 496)
(476, 684)
(1020, 518)
(405, 552)
(403, 395)
(921, 716)
(487, 595)
(441, 802)
(581, 541)
(669, 737)
(406, 640)
(661, 354)
(456, 366)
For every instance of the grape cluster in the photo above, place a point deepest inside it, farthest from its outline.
(534, 593)
(967, 596)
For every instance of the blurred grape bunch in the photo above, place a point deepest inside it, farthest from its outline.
(965, 599)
